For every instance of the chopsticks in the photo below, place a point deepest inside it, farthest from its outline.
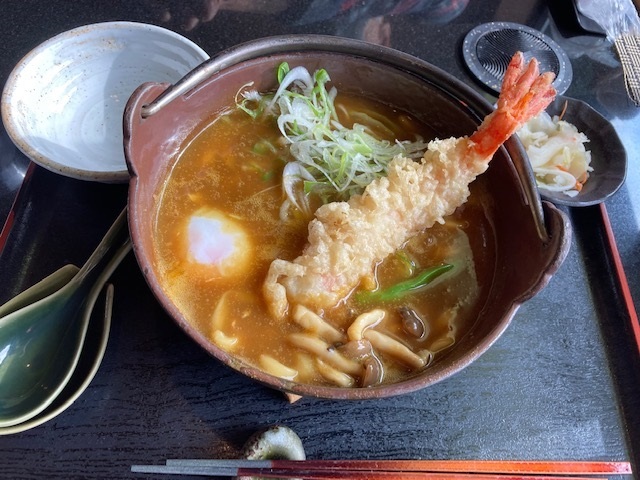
(392, 469)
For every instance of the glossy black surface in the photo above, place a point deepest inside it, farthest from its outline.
(563, 382)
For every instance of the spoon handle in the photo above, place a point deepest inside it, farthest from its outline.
(40, 290)
(117, 233)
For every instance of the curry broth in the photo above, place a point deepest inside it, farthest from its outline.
(232, 171)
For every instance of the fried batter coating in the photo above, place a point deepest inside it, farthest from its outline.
(347, 239)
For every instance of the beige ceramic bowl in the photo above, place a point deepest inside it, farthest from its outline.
(63, 102)
(530, 235)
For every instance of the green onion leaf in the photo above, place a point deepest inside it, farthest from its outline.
(401, 289)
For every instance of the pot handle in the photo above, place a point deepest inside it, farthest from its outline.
(186, 83)
(212, 66)
(553, 251)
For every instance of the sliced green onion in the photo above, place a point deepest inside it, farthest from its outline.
(283, 69)
(339, 161)
(264, 147)
(268, 175)
(406, 261)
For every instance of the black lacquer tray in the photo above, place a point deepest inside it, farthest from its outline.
(562, 383)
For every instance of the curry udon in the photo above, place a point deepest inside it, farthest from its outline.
(219, 226)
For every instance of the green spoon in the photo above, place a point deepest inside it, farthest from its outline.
(41, 342)
(86, 369)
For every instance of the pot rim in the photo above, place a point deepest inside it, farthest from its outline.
(556, 237)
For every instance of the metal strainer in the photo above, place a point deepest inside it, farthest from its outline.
(488, 48)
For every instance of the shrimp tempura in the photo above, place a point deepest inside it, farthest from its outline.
(347, 239)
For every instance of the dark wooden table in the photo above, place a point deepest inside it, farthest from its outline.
(563, 382)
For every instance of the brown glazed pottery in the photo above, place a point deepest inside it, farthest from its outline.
(532, 237)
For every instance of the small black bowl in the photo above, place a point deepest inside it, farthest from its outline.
(608, 155)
